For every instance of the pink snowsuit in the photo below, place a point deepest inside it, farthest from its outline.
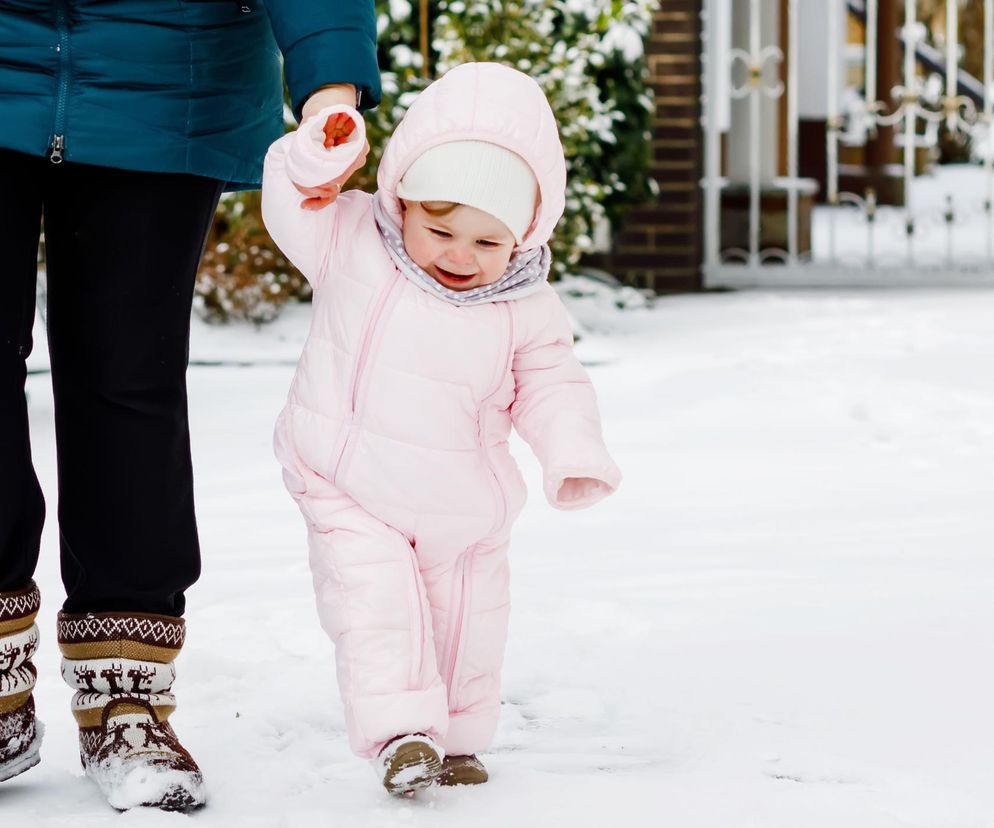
(394, 437)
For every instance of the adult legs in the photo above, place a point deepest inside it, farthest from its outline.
(123, 249)
(22, 509)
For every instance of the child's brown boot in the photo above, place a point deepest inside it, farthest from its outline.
(409, 763)
(462, 770)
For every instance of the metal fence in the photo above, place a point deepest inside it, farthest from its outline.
(943, 233)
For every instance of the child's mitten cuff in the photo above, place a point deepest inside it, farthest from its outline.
(309, 163)
(570, 489)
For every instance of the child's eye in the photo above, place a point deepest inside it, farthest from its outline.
(485, 243)
(440, 233)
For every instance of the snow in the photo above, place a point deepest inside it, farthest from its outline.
(400, 10)
(783, 618)
(962, 188)
(625, 39)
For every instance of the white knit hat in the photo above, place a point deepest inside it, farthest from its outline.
(478, 174)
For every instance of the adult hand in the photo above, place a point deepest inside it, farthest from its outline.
(336, 130)
(335, 93)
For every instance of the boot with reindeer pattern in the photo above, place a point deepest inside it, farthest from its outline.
(20, 733)
(121, 666)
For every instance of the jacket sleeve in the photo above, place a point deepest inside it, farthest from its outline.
(555, 411)
(327, 41)
(307, 237)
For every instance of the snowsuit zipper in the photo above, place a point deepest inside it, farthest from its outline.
(415, 597)
(367, 340)
(456, 625)
(505, 369)
(418, 627)
(57, 145)
(463, 582)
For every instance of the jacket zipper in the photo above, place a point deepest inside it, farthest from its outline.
(367, 341)
(58, 144)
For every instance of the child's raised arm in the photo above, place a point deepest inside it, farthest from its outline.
(555, 411)
(298, 191)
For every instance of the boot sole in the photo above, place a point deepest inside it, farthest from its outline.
(414, 766)
(177, 799)
(26, 761)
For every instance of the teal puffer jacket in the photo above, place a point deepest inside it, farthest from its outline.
(188, 86)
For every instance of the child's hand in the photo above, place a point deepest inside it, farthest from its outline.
(578, 488)
(337, 130)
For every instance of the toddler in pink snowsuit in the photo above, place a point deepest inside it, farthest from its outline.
(434, 330)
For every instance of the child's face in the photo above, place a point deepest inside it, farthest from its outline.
(463, 249)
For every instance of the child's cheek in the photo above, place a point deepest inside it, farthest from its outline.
(420, 250)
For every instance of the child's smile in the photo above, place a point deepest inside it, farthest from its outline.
(449, 276)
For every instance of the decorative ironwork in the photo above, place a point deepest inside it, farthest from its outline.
(916, 102)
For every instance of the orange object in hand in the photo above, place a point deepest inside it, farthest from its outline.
(337, 129)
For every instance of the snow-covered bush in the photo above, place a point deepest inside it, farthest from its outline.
(243, 275)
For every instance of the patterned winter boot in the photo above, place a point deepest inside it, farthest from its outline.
(121, 667)
(20, 733)
(409, 763)
(462, 770)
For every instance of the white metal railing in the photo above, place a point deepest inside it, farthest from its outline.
(944, 231)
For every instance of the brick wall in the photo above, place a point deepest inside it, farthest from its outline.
(660, 244)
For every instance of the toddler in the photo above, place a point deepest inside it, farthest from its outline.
(434, 330)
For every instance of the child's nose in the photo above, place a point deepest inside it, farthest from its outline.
(459, 254)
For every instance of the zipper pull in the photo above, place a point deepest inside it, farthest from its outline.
(58, 145)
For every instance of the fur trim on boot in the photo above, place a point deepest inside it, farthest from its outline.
(20, 732)
(462, 770)
(409, 763)
(121, 667)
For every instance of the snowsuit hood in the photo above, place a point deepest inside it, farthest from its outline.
(483, 102)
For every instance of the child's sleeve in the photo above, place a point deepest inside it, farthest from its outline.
(307, 237)
(555, 411)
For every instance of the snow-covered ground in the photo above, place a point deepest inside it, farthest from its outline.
(784, 618)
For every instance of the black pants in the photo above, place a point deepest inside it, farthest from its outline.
(122, 253)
